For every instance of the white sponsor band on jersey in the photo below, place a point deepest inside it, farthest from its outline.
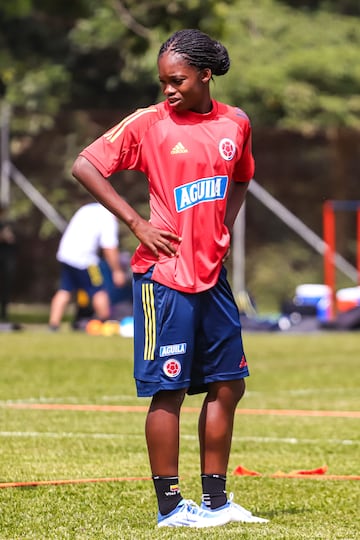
(203, 190)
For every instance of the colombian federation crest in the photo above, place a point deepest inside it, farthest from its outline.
(227, 149)
(172, 367)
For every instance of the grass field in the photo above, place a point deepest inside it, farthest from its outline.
(314, 372)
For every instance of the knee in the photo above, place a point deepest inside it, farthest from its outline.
(169, 401)
(229, 392)
(237, 390)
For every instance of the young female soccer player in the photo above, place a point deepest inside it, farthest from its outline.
(196, 154)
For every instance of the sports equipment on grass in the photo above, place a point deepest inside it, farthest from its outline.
(94, 327)
(110, 328)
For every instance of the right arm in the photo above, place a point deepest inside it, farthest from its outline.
(96, 184)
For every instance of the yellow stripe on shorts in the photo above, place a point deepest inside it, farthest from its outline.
(147, 295)
(95, 275)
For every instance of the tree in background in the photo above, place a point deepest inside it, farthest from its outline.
(296, 69)
(297, 72)
(68, 69)
(87, 54)
(58, 57)
(296, 61)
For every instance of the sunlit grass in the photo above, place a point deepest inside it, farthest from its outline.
(312, 372)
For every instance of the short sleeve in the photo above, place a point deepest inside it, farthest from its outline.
(245, 166)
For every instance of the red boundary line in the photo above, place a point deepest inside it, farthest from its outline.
(72, 481)
(4, 485)
(141, 408)
(315, 476)
(306, 476)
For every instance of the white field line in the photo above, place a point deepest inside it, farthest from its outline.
(60, 400)
(309, 391)
(114, 436)
(127, 398)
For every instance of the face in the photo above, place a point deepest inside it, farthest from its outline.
(185, 87)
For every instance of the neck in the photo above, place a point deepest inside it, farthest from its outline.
(205, 108)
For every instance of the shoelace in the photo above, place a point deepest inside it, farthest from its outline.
(191, 506)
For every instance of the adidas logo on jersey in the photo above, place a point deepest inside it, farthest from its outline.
(179, 148)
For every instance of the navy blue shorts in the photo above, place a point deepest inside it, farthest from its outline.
(185, 340)
(88, 279)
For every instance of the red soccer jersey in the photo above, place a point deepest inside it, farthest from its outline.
(189, 160)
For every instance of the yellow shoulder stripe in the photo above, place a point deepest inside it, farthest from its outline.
(114, 133)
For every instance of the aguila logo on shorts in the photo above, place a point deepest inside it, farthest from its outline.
(176, 348)
(172, 368)
(227, 149)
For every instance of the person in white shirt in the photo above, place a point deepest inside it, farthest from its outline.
(91, 229)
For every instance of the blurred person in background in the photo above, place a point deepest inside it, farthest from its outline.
(91, 230)
(120, 297)
(7, 261)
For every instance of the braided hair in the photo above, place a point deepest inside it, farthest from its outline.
(198, 50)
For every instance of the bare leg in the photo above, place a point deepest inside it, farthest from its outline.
(216, 425)
(101, 305)
(58, 305)
(162, 432)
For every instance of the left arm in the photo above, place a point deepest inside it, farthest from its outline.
(236, 197)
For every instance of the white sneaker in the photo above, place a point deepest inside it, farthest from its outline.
(189, 514)
(234, 512)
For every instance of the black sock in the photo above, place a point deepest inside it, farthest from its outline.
(214, 492)
(167, 492)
